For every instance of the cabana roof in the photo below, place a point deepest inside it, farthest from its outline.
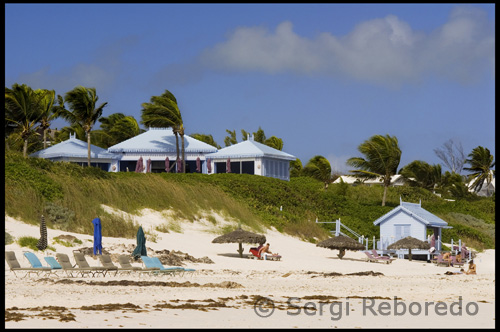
(160, 140)
(250, 149)
(416, 211)
(73, 148)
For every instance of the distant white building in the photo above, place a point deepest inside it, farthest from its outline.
(396, 180)
(157, 144)
(250, 157)
(486, 190)
(76, 151)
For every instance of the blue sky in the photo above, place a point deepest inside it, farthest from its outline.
(323, 77)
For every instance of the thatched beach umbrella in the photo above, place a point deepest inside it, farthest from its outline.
(240, 236)
(409, 243)
(341, 243)
(42, 242)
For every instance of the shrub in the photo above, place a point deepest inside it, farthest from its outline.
(8, 238)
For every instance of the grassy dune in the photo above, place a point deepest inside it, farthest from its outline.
(70, 196)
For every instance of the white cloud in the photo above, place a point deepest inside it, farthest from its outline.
(384, 50)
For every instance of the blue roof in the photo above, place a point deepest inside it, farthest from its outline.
(73, 148)
(250, 149)
(160, 140)
(417, 212)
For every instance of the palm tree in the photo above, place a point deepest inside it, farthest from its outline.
(382, 159)
(49, 113)
(274, 142)
(163, 112)
(23, 110)
(206, 139)
(295, 167)
(231, 139)
(116, 128)
(319, 168)
(84, 110)
(421, 174)
(481, 162)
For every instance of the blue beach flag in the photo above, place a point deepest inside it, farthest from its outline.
(97, 236)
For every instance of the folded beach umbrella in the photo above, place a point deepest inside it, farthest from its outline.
(198, 165)
(179, 165)
(139, 167)
(240, 236)
(228, 165)
(409, 243)
(167, 165)
(148, 167)
(341, 243)
(140, 250)
(97, 236)
(42, 243)
(209, 166)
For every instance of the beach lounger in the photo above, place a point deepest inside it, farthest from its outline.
(381, 259)
(124, 261)
(35, 263)
(14, 266)
(178, 269)
(154, 262)
(455, 263)
(71, 270)
(441, 261)
(255, 255)
(386, 259)
(53, 263)
(82, 263)
(108, 263)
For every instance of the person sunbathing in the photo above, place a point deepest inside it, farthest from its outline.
(472, 268)
(264, 251)
(447, 257)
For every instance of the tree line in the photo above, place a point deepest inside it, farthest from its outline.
(28, 111)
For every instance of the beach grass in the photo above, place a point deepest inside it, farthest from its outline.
(71, 196)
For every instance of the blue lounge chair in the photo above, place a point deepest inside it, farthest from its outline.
(154, 262)
(35, 263)
(179, 269)
(53, 263)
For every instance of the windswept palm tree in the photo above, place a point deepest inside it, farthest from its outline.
(231, 139)
(319, 168)
(82, 102)
(116, 128)
(382, 155)
(206, 139)
(295, 167)
(163, 112)
(481, 162)
(421, 174)
(23, 110)
(49, 113)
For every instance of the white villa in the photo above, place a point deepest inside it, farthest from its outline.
(158, 144)
(396, 180)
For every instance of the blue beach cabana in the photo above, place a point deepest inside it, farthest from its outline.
(408, 219)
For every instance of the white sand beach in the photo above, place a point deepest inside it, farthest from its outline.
(301, 290)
